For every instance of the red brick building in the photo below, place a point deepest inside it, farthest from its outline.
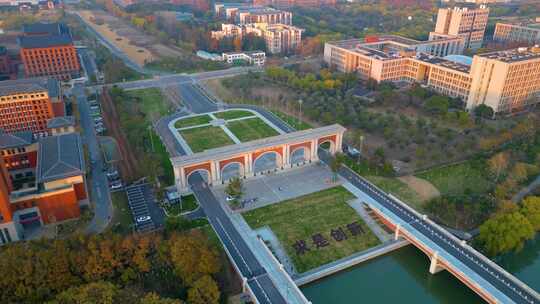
(48, 191)
(47, 50)
(27, 104)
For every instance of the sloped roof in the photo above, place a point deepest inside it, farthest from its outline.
(38, 35)
(62, 121)
(40, 28)
(15, 140)
(59, 157)
(30, 85)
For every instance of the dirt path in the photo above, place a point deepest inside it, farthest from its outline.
(128, 165)
(425, 189)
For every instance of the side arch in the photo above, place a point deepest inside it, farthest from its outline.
(267, 161)
(231, 170)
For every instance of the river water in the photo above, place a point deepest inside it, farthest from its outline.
(403, 277)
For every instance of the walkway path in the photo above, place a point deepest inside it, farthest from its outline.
(526, 190)
(382, 235)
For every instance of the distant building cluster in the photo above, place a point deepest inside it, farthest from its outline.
(507, 81)
(42, 169)
(273, 25)
(292, 3)
(28, 4)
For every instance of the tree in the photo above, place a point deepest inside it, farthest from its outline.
(154, 298)
(505, 232)
(97, 292)
(235, 188)
(483, 111)
(335, 164)
(498, 163)
(530, 208)
(204, 291)
(438, 104)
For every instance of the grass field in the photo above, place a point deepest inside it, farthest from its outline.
(121, 221)
(192, 121)
(399, 189)
(303, 217)
(251, 129)
(455, 179)
(232, 114)
(292, 121)
(203, 138)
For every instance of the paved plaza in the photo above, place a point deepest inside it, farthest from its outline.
(276, 187)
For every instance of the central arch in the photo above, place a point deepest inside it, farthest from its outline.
(267, 162)
(232, 170)
(193, 178)
(299, 155)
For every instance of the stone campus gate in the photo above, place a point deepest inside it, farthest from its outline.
(257, 157)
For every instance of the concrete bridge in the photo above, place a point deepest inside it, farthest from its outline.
(257, 157)
(445, 251)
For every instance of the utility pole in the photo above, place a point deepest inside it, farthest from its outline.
(360, 148)
(151, 138)
(300, 101)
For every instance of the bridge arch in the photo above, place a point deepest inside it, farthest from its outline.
(267, 161)
(232, 169)
(300, 155)
(328, 143)
(204, 173)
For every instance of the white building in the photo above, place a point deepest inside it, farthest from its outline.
(257, 58)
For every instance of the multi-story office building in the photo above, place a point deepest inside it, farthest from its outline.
(507, 81)
(291, 3)
(241, 13)
(467, 23)
(27, 104)
(47, 50)
(46, 190)
(519, 33)
(279, 38)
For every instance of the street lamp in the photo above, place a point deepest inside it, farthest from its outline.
(300, 101)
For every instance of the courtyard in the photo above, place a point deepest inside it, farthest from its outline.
(198, 133)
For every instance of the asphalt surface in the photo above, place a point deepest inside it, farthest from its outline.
(470, 258)
(258, 280)
(98, 183)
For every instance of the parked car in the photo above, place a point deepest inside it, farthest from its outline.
(142, 218)
(229, 198)
(112, 173)
(98, 119)
(116, 185)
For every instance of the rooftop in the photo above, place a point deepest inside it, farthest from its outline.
(460, 67)
(16, 140)
(231, 150)
(40, 35)
(514, 55)
(259, 10)
(60, 157)
(29, 85)
(59, 122)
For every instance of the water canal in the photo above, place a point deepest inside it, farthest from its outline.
(403, 277)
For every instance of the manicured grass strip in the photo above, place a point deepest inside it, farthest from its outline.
(122, 220)
(204, 138)
(232, 114)
(188, 203)
(303, 217)
(251, 129)
(193, 121)
(399, 189)
(292, 121)
(456, 179)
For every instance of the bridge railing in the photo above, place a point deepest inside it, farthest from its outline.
(470, 249)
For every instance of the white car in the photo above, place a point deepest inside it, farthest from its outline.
(230, 198)
(116, 185)
(142, 218)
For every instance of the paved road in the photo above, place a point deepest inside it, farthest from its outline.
(257, 278)
(472, 259)
(526, 190)
(99, 184)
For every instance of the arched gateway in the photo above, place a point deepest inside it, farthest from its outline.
(257, 157)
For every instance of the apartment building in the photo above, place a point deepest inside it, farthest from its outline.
(519, 33)
(263, 15)
(292, 3)
(48, 191)
(279, 38)
(507, 81)
(47, 50)
(27, 104)
(257, 58)
(467, 23)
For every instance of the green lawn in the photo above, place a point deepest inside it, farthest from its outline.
(192, 121)
(303, 217)
(151, 102)
(122, 220)
(399, 189)
(251, 129)
(232, 114)
(189, 203)
(455, 179)
(292, 121)
(203, 138)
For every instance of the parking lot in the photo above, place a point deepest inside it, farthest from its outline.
(147, 215)
(276, 187)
